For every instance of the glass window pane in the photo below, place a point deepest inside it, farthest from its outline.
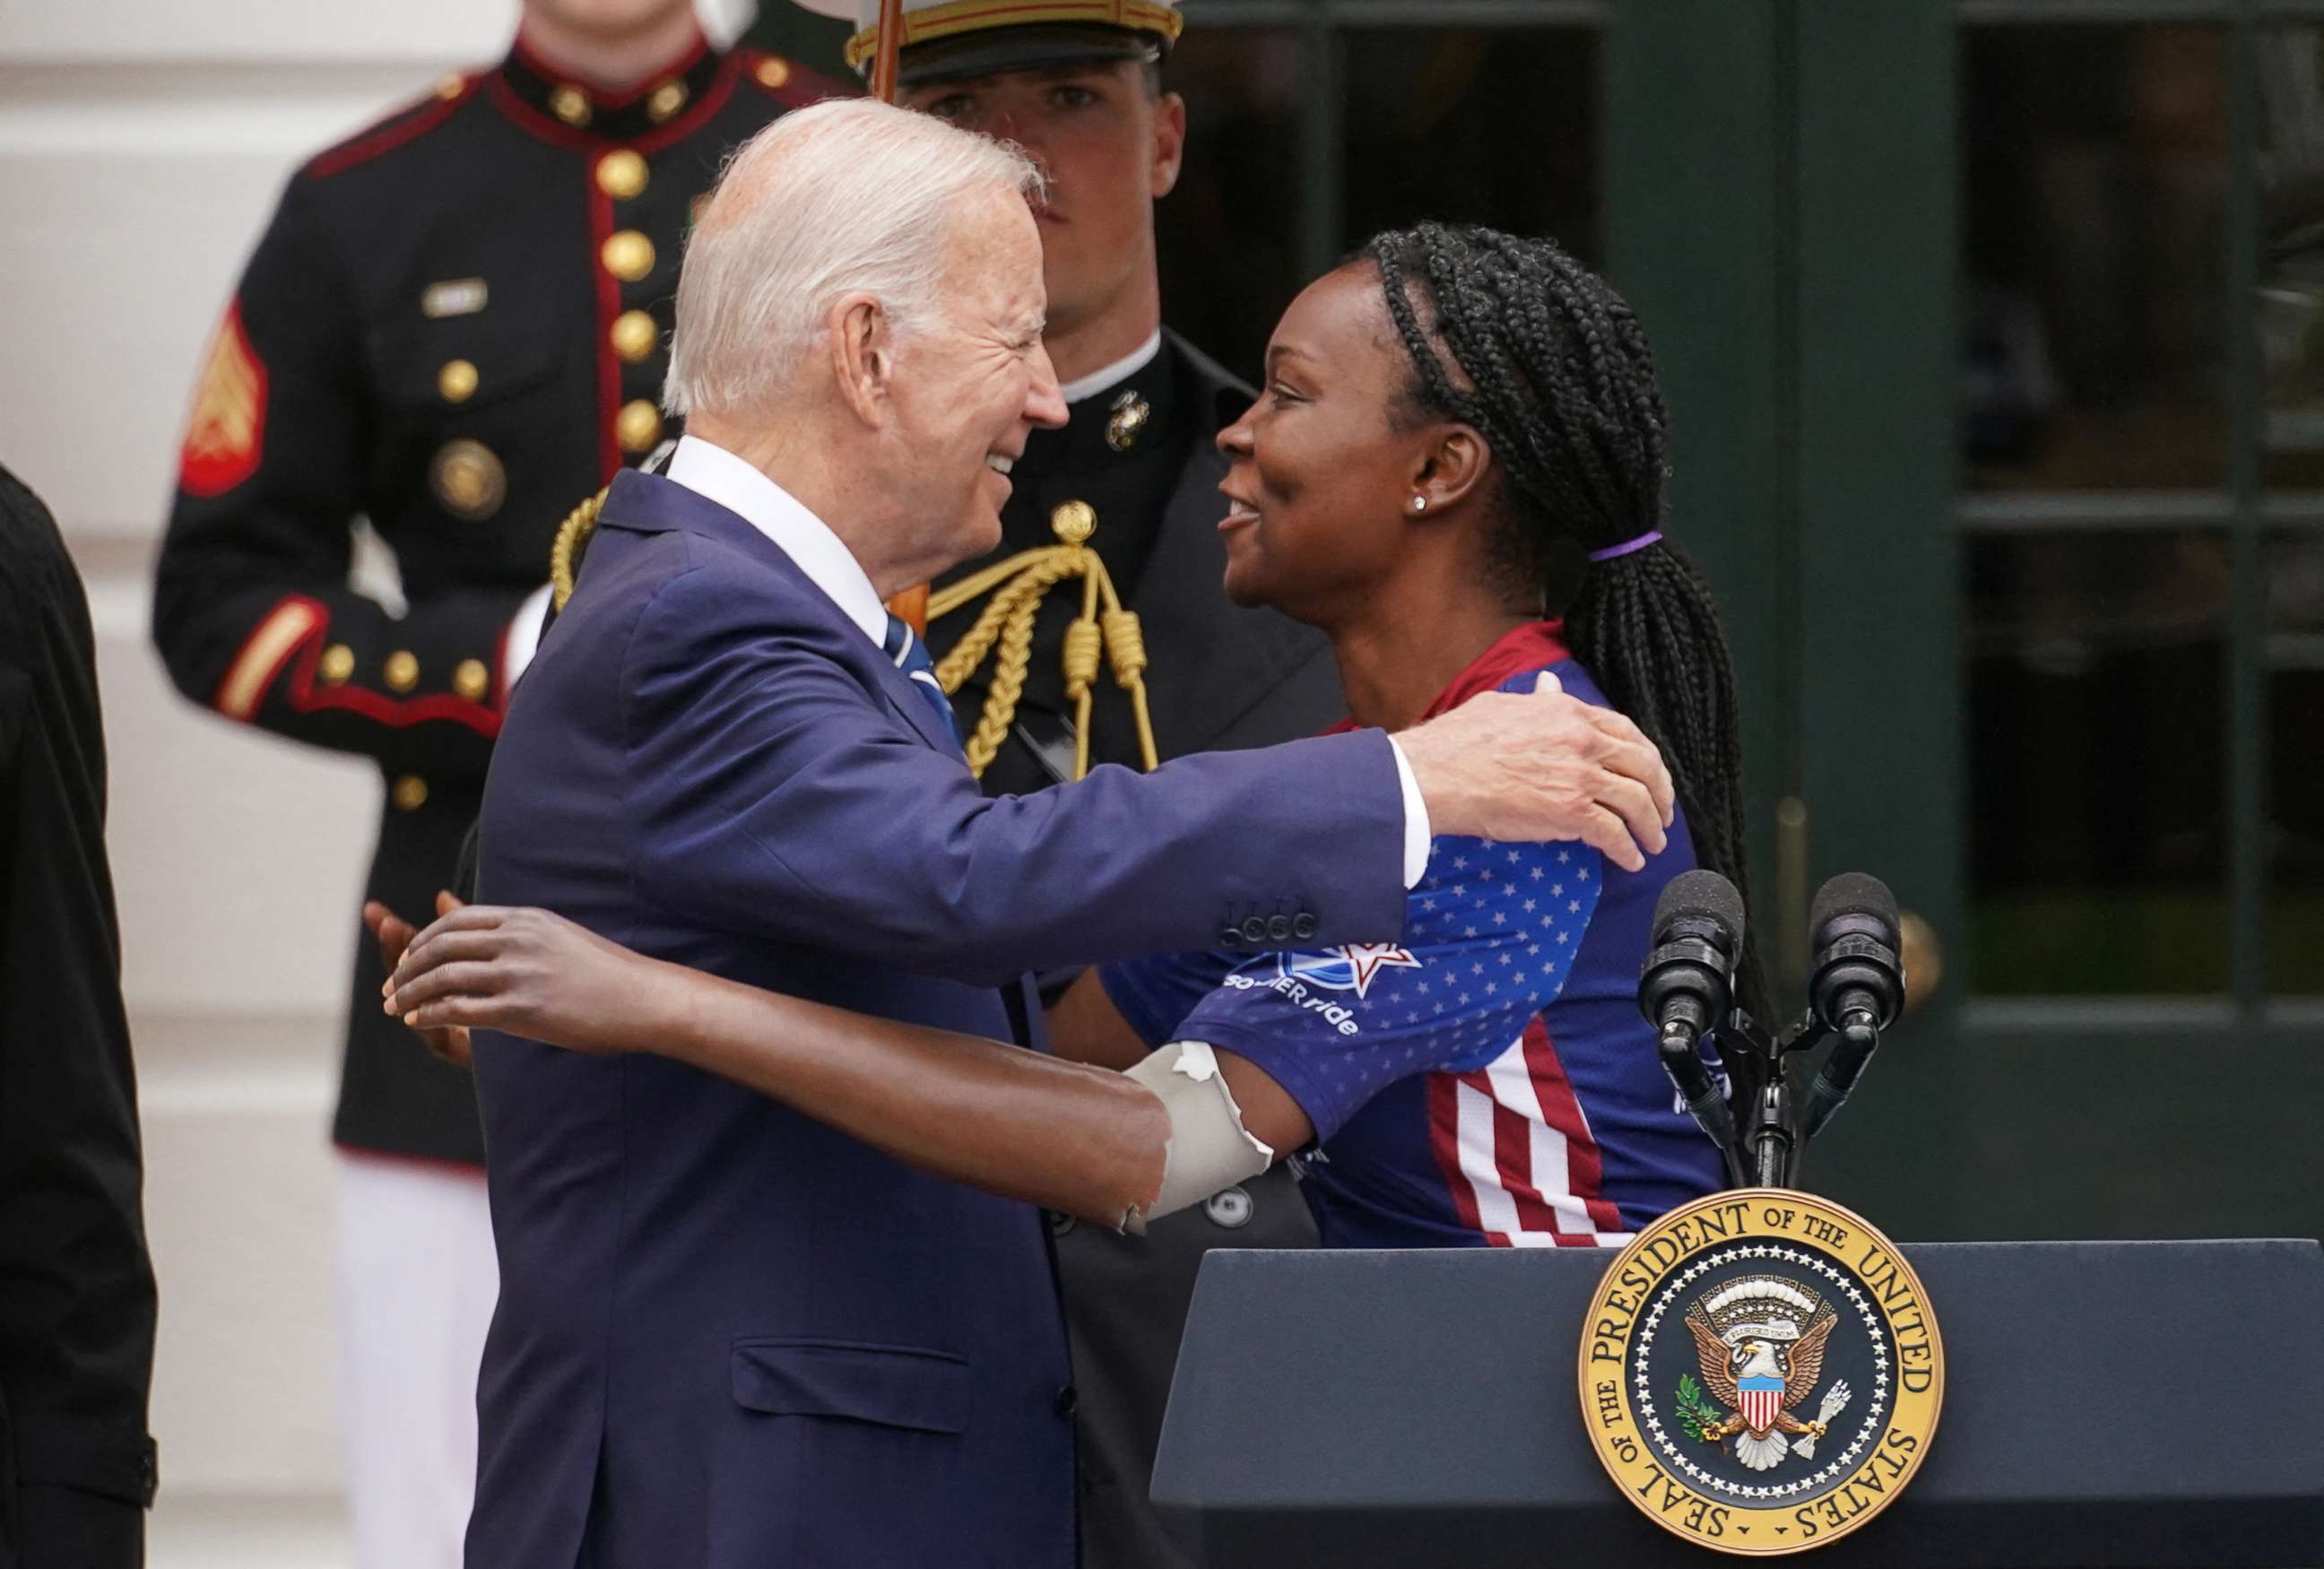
(1226, 239)
(2290, 310)
(2096, 760)
(2295, 709)
(1494, 126)
(2095, 160)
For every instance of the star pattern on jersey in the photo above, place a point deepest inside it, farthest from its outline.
(1369, 959)
(1490, 934)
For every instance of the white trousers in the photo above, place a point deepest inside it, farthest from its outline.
(417, 1280)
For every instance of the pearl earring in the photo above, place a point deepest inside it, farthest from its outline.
(1420, 503)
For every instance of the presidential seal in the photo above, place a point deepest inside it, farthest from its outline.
(1760, 1372)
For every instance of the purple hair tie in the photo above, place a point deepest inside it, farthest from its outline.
(1626, 547)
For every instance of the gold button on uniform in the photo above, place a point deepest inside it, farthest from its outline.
(620, 174)
(471, 680)
(639, 426)
(452, 86)
(410, 793)
(570, 104)
(1073, 522)
(457, 381)
(634, 335)
(339, 662)
(668, 99)
(402, 670)
(773, 72)
(628, 255)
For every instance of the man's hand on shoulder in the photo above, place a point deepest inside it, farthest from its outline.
(1543, 766)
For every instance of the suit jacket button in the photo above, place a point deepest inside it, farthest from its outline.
(1060, 1223)
(1254, 930)
(1229, 1207)
(1065, 1401)
(1278, 928)
(1303, 926)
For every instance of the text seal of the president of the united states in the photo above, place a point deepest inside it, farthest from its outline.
(1761, 1371)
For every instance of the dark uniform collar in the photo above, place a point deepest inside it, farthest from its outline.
(536, 91)
(1128, 415)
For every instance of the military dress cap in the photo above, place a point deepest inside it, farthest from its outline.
(973, 38)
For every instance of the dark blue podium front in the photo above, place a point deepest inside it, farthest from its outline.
(2106, 1403)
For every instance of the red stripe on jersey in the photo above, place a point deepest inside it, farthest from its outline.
(1561, 1108)
(1513, 1163)
(1444, 1143)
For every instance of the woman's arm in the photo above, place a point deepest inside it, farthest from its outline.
(1064, 1135)
(1086, 1027)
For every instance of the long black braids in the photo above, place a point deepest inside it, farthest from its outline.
(1538, 355)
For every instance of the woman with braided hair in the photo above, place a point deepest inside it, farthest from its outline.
(1455, 424)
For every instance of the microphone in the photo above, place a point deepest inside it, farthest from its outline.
(1687, 988)
(1858, 987)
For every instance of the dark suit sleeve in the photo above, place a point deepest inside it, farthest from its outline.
(774, 795)
(252, 611)
(76, 1299)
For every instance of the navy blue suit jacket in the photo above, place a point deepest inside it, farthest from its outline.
(727, 1334)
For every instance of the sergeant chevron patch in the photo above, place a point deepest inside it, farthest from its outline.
(224, 431)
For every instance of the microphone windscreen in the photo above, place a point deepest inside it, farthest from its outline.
(1701, 893)
(1853, 893)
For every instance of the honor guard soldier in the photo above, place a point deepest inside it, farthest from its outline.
(1133, 477)
(455, 327)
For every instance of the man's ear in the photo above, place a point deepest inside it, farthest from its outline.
(1169, 142)
(863, 348)
(1452, 467)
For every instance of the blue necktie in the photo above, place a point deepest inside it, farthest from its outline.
(911, 657)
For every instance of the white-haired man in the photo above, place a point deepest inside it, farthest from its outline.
(729, 1334)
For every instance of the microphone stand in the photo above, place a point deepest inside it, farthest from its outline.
(1767, 1115)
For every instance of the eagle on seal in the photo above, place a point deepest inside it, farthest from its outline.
(1760, 1341)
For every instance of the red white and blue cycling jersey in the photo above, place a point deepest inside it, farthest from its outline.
(1486, 1081)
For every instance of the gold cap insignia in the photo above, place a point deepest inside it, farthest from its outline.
(468, 479)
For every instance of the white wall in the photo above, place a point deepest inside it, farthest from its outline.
(142, 146)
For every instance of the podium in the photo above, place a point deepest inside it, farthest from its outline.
(2105, 1403)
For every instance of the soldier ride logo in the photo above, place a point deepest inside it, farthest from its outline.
(1760, 1372)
